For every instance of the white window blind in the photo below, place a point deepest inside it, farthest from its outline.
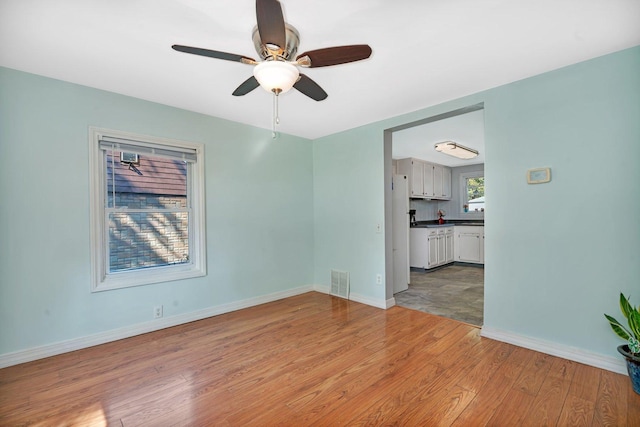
(108, 143)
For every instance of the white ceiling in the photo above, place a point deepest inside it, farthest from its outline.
(424, 51)
(419, 141)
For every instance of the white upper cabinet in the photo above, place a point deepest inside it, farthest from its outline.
(436, 180)
(426, 180)
(441, 182)
(416, 177)
(446, 183)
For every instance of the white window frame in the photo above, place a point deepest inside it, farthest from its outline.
(463, 193)
(101, 279)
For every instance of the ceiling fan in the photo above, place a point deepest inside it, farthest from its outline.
(277, 43)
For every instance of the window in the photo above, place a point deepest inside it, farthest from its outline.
(472, 192)
(147, 210)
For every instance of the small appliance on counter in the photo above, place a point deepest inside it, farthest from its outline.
(412, 217)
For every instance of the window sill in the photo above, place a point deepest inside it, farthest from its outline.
(127, 279)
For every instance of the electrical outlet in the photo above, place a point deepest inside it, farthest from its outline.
(378, 279)
(157, 312)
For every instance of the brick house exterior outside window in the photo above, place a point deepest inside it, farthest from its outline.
(140, 239)
(147, 210)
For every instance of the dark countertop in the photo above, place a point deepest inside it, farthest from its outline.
(448, 223)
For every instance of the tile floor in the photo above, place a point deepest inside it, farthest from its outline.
(455, 291)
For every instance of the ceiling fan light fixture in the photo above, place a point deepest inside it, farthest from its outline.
(456, 150)
(276, 76)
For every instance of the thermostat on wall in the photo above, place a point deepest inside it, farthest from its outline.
(538, 176)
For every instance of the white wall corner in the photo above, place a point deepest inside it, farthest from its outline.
(325, 289)
(610, 363)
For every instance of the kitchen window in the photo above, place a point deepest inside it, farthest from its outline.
(472, 192)
(147, 210)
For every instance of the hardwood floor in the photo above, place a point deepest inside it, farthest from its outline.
(314, 360)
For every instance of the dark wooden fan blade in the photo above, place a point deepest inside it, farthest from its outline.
(213, 54)
(270, 22)
(337, 55)
(247, 86)
(310, 88)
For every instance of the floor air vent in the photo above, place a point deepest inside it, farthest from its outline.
(340, 283)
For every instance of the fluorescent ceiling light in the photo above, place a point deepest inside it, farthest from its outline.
(456, 150)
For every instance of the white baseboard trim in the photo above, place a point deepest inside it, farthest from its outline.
(575, 354)
(609, 363)
(368, 300)
(322, 289)
(23, 356)
(359, 298)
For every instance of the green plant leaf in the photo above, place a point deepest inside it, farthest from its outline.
(618, 328)
(625, 306)
(634, 323)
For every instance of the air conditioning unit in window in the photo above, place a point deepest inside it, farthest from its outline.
(129, 158)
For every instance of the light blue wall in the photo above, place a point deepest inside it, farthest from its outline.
(557, 254)
(348, 205)
(259, 212)
(283, 214)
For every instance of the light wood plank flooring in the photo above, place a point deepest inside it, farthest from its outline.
(314, 360)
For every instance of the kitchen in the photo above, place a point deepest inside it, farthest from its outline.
(438, 212)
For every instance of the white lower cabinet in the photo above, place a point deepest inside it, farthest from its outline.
(448, 247)
(431, 247)
(469, 244)
(418, 247)
(432, 243)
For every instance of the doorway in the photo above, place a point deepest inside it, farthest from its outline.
(454, 290)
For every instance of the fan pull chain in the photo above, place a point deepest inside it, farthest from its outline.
(276, 114)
